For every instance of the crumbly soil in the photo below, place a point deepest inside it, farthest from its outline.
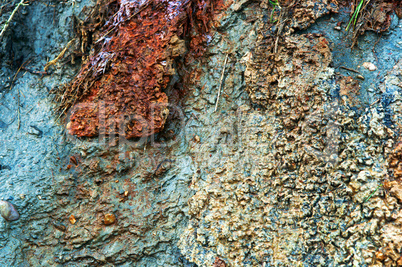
(280, 147)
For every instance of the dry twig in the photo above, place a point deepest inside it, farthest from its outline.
(346, 68)
(54, 61)
(11, 17)
(18, 97)
(220, 84)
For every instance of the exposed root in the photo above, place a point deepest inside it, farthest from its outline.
(60, 56)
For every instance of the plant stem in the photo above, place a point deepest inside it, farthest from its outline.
(220, 84)
(11, 17)
(355, 14)
(274, 4)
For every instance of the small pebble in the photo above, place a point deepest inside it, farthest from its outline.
(72, 219)
(370, 66)
(33, 130)
(109, 219)
(8, 211)
(380, 256)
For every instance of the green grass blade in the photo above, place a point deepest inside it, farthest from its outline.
(274, 4)
(355, 15)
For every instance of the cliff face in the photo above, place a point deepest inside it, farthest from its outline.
(270, 142)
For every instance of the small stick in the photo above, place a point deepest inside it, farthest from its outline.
(18, 109)
(54, 61)
(220, 84)
(11, 17)
(276, 45)
(35, 72)
(18, 98)
(375, 102)
(345, 68)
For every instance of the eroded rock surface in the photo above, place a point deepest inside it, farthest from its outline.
(294, 168)
(305, 190)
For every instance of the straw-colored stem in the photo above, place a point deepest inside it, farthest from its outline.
(11, 17)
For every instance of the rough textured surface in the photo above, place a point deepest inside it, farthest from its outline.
(32, 145)
(297, 181)
(391, 231)
(119, 88)
(286, 69)
(300, 14)
(299, 172)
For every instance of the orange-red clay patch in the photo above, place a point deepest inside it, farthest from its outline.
(120, 87)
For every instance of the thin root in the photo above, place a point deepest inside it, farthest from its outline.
(61, 55)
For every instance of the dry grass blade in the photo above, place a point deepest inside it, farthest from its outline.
(11, 17)
(54, 61)
(221, 81)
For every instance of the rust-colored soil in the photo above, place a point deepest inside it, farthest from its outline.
(120, 88)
